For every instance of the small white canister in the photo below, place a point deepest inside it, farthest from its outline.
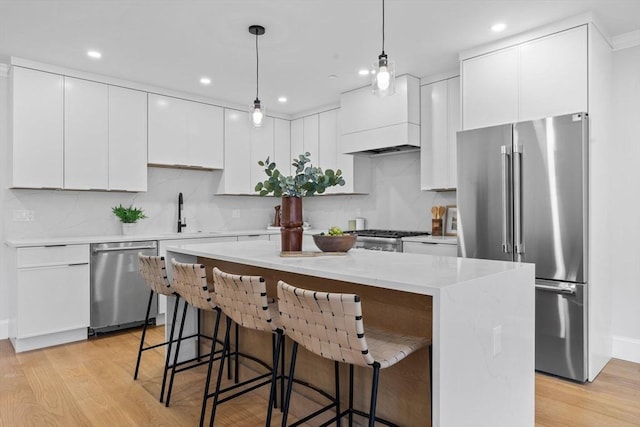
(360, 224)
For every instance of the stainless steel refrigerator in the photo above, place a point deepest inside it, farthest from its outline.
(522, 196)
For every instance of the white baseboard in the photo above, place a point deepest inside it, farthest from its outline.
(4, 329)
(626, 349)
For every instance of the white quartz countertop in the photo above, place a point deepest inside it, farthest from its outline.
(445, 240)
(48, 241)
(417, 273)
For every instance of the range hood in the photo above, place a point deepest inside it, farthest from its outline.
(370, 125)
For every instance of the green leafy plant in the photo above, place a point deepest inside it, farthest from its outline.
(128, 215)
(308, 180)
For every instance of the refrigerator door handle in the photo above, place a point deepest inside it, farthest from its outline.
(518, 245)
(506, 214)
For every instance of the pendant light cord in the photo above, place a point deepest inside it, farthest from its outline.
(383, 26)
(257, 64)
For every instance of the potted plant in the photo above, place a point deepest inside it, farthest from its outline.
(307, 181)
(128, 217)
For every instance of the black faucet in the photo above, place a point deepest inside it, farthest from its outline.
(182, 222)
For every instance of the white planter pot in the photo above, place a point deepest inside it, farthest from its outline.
(128, 228)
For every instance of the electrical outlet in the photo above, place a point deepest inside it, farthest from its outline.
(235, 213)
(22, 215)
(497, 340)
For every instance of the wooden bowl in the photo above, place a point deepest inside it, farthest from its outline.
(328, 243)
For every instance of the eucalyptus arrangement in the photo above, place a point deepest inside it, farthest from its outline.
(307, 181)
(128, 215)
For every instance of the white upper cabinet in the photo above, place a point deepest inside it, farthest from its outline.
(185, 133)
(127, 139)
(440, 121)
(544, 77)
(370, 123)
(297, 141)
(311, 140)
(245, 145)
(38, 130)
(86, 135)
(553, 75)
(490, 89)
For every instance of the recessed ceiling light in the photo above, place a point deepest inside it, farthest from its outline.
(363, 72)
(282, 99)
(205, 80)
(496, 28)
(332, 76)
(94, 54)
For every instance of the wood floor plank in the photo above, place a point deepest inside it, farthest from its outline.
(91, 383)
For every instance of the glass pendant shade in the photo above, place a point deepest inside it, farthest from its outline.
(257, 113)
(383, 76)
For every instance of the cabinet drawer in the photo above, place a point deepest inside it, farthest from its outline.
(42, 256)
(440, 249)
(52, 299)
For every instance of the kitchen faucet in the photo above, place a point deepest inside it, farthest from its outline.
(182, 222)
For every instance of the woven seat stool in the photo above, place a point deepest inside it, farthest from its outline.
(331, 326)
(190, 281)
(154, 272)
(243, 299)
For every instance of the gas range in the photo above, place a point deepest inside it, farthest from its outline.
(384, 240)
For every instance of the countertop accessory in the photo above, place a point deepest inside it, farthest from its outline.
(257, 111)
(182, 221)
(334, 243)
(276, 218)
(128, 217)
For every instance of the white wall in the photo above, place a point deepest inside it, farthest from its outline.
(624, 224)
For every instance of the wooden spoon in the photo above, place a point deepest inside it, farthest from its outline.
(441, 210)
(434, 212)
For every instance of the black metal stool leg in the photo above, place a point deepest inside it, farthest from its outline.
(274, 376)
(282, 377)
(350, 395)
(237, 365)
(175, 357)
(144, 333)
(430, 384)
(210, 367)
(337, 383)
(168, 355)
(287, 399)
(225, 350)
(374, 394)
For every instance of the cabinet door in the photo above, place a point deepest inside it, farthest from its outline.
(454, 125)
(297, 141)
(261, 148)
(167, 124)
(490, 89)
(86, 134)
(52, 299)
(204, 135)
(236, 178)
(38, 98)
(311, 141)
(328, 144)
(127, 139)
(282, 144)
(553, 75)
(434, 162)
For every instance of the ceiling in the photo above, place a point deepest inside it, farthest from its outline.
(172, 43)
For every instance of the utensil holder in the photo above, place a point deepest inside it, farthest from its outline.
(436, 227)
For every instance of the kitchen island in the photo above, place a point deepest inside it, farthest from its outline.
(479, 314)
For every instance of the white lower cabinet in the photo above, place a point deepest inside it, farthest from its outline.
(51, 296)
(430, 248)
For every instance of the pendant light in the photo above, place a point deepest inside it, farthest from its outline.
(257, 111)
(383, 74)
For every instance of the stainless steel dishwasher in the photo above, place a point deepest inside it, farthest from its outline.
(119, 296)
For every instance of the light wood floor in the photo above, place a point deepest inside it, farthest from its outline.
(90, 384)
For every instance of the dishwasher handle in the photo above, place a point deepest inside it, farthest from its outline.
(562, 289)
(130, 248)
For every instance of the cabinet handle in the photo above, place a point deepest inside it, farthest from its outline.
(55, 246)
(429, 243)
(77, 263)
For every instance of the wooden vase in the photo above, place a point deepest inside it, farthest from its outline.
(291, 230)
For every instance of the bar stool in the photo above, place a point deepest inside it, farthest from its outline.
(243, 299)
(331, 325)
(190, 281)
(154, 272)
